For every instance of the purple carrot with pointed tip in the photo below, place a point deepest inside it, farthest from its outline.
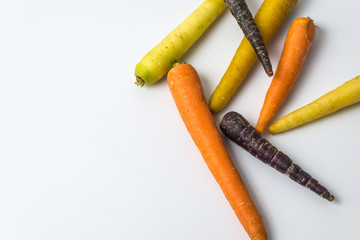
(238, 129)
(240, 11)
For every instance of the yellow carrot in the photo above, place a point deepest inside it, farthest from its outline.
(158, 61)
(269, 18)
(341, 97)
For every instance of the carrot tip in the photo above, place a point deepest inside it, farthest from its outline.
(260, 128)
(139, 81)
(268, 69)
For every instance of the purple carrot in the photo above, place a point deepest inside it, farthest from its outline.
(239, 9)
(238, 129)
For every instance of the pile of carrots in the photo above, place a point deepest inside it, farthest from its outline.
(197, 113)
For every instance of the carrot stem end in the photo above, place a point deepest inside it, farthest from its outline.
(139, 81)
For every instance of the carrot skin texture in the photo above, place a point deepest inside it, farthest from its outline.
(186, 89)
(243, 16)
(158, 61)
(341, 97)
(269, 18)
(296, 47)
(238, 129)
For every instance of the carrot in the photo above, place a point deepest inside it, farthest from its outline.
(243, 16)
(296, 47)
(186, 89)
(239, 130)
(158, 61)
(269, 18)
(343, 96)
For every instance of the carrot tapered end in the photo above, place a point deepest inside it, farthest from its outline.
(260, 128)
(268, 70)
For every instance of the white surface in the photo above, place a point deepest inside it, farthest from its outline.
(85, 154)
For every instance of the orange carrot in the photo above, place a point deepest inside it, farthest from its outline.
(296, 47)
(186, 89)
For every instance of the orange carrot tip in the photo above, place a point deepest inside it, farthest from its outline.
(296, 48)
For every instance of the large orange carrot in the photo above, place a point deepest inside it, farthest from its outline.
(188, 95)
(296, 47)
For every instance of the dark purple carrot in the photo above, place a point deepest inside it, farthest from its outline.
(238, 129)
(243, 16)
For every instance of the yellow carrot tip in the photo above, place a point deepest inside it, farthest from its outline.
(271, 131)
(139, 81)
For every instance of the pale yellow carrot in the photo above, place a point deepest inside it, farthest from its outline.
(341, 97)
(158, 61)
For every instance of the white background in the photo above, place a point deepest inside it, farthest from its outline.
(86, 154)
